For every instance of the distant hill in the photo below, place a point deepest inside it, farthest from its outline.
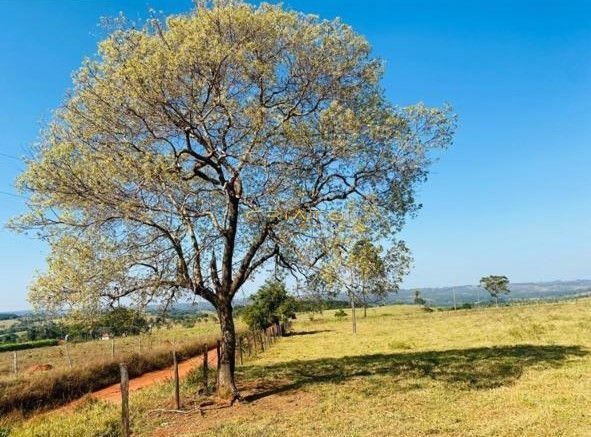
(443, 296)
(435, 296)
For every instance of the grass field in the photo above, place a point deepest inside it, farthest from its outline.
(523, 370)
(82, 353)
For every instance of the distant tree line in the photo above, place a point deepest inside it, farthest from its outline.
(115, 322)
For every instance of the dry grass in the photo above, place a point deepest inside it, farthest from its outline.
(99, 350)
(93, 367)
(510, 371)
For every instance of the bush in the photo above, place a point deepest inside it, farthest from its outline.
(270, 305)
(340, 313)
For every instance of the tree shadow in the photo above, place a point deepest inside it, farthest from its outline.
(318, 331)
(470, 369)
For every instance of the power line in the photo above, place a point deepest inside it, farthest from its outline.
(10, 156)
(12, 194)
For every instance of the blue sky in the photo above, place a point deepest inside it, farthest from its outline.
(511, 196)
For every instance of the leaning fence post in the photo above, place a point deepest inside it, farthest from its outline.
(205, 368)
(15, 363)
(124, 400)
(177, 394)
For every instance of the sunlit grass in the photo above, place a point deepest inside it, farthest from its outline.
(523, 370)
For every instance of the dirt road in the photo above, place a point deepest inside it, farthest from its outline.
(113, 392)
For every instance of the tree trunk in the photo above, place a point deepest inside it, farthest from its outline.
(353, 318)
(225, 385)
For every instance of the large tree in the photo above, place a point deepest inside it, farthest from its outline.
(190, 153)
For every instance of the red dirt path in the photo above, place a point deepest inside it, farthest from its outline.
(113, 392)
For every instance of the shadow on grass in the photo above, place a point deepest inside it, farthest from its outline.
(318, 331)
(470, 369)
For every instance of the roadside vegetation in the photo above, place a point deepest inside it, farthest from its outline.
(27, 345)
(46, 379)
(507, 371)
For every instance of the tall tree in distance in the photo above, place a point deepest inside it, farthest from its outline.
(373, 270)
(360, 269)
(496, 285)
(187, 153)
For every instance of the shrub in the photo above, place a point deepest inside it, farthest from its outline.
(270, 305)
(340, 313)
(27, 345)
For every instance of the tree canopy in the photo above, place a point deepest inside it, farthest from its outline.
(191, 152)
(271, 304)
(496, 285)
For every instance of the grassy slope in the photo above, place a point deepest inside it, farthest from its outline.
(510, 371)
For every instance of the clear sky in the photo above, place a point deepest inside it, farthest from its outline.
(510, 197)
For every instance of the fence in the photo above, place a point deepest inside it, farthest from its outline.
(247, 345)
(66, 355)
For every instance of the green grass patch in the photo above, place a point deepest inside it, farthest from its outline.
(27, 345)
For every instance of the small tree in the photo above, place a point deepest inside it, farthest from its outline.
(270, 305)
(418, 299)
(496, 285)
(359, 268)
(369, 268)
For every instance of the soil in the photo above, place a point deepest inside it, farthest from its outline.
(113, 392)
(268, 402)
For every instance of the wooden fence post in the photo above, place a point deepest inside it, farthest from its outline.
(68, 354)
(248, 345)
(124, 401)
(177, 393)
(15, 363)
(112, 348)
(262, 341)
(240, 349)
(140, 343)
(205, 369)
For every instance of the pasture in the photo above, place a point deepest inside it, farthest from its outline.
(81, 353)
(521, 370)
